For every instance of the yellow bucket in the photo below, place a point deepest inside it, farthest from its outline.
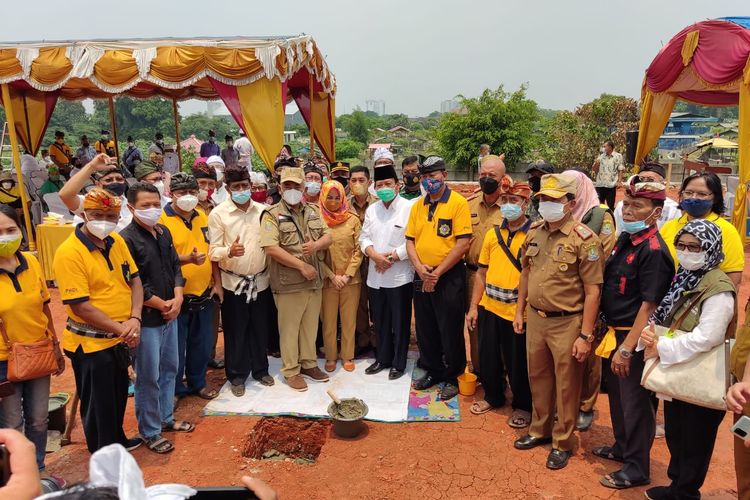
(467, 383)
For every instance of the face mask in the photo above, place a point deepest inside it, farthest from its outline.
(312, 187)
(100, 228)
(432, 186)
(130, 144)
(219, 177)
(342, 180)
(551, 211)
(359, 189)
(105, 138)
(411, 180)
(85, 144)
(332, 205)
(691, 261)
(7, 186)
(325, 178)
(386, 194)
(211, 140)
(260, 196)
(292, 196)
(116, 188)
(488, 185)
(159, 142)
(511, 211)
(695, 207)
(54, 178)
(636, 226)
(535, 183)
(9, 244)
(159, 185)
(149, 216)
(241, 197)
(187, 203)
(202, 195)
(59, 140)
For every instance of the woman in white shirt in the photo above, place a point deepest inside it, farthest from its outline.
(709, 295)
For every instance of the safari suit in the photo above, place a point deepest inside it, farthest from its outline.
(559, 264)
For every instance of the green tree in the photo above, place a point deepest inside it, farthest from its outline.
(357, 127)
(347, 149)
(69, 117)
(200, 124)
(506, 121)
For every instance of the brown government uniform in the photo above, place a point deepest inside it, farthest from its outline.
(740, 355)
(483, 218)
(560, 262)
(365, 337)
(298, 300)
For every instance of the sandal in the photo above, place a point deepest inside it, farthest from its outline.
(158, 444)
(349, 366)
(178, 426)
(330, 366)
(519, 419)
(618, 481)
(481, 407)
(207, 393)
(608, 453)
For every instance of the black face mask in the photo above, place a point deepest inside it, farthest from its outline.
(116, 188)
(535, 183)
(488, 185)
(343, 180)
(411, 180)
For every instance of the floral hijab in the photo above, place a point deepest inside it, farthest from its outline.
(339, 215)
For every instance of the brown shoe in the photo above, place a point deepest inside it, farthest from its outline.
(297, 383)
(315, 374)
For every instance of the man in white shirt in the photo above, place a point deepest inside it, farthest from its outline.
(652, 172)
(608, 168)
(390, 275)
(245, 150)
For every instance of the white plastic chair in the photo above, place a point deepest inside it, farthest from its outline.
(56, 205)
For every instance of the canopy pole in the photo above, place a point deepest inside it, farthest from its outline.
(114, 126)
(28, 129)
(17, 162)
(310, 94)
(177, 131)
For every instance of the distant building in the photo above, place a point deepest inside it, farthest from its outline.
(191, 143)
(448, 105)
(376, 106)
(685, 129)
(289, 136)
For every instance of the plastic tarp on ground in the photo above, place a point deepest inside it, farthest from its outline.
(705, 63)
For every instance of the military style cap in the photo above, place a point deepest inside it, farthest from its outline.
(292, 174)
(557, 186)
(339, 166)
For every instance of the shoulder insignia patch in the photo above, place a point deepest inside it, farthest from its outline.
(583, 231)
(536, 224)
(592, 254)
(607, 228)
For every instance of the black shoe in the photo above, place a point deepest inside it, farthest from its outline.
(557, 459)
(585, 419)
(394, 374)
(448, 391)
(374, 368)
(216, 363)
(266, 380)
(528, 442)
(658, 493)
(425, 383)
(238, 390)
(132, 443)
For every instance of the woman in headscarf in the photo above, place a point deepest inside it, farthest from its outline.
(342, 278)
(708, 296)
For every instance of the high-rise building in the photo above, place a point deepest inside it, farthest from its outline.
(376, 106)
(211, 108)
(448, 105)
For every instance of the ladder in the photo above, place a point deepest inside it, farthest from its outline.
(6, 150)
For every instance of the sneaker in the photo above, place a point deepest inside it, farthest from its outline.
(51, 483)
(297, 383)
(315, 374)
(132, 443)
(449, 391)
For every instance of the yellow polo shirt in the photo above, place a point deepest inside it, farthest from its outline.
(502, 276)
(435, 227)
(101, 277)
(58, 153)
(188, 235)
(24, 294)
(734, 253)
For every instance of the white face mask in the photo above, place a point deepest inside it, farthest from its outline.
(292, 196)
(187, 203)
(219, 177)
(159, 185)
(7, 186)
(692, 261)
(100, 228)
(149, 216)
(312, 187)
(202, 195)
(551, 211)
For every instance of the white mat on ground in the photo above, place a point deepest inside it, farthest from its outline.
(387, 400)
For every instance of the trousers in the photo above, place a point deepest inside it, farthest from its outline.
(607, 195)
(102, 386)
(476, 357)
(591, 381)
(364, 337)
(439, 318)
(247, 326)
(340, 304)
(391, 317)
(298, 326)
(742, 463)
(500, 348)
(554, 377)
(194, 342)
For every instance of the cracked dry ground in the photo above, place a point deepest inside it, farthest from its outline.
(473, 458)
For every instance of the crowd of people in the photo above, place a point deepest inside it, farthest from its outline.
(556, 286)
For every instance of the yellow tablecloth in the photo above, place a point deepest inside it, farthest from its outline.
(48, 238)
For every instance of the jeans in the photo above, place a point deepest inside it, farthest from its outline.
(26, 411)
(156, 366)
(195, 340)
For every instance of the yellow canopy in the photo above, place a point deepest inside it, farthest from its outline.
(718, 143)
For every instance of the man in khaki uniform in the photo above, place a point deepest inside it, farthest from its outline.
(294, 237)
(561, 283)
(485, 214)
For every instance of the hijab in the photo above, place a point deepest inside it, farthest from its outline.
(334, 218)
(709, 235)
(586, 197)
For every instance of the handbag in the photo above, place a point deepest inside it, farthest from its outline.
(30, 360)
(702, 380)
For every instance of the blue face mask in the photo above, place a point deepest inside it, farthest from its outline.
(432, 186)
(696, 207)
(241, 197)
(635, 226)
(511, 211)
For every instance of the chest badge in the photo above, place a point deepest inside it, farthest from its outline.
(444, 229)
(563, 267)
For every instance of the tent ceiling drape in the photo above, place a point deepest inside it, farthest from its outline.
(706, 63)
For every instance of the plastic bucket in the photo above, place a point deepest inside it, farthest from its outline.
(57, 405)
(467, 384)
(347, 427)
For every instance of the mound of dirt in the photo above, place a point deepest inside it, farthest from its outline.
(292, 437)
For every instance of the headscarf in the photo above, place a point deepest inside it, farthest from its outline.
(586, 197)
(340, 215)
(709, 234)
(651, 190)
(101, 199)
(215, 160)
(258, 178)
(144, 168)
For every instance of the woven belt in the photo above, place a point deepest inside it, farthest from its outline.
(88, 330)
(472, 267)
(554, 314)
(246, 285)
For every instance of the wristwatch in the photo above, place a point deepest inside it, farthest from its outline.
(625, 353)
(389, 258)
(588, 338)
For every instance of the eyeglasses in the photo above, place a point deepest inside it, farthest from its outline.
(690, 247)
(702, 195)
